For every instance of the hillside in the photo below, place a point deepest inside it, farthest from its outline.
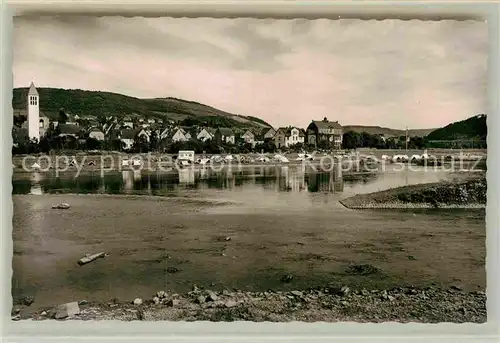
(374, 130)
(99, 104)
(471, 128)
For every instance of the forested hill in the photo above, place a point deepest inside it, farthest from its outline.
(472, 128)
(388, 132)
(103, 104)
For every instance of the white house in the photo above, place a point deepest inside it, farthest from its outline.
(143, 133)
(128, 137)
(96, 133)
(206, 134)
(186, 155)
(127, 123)
(294, 136)
(248, 137)
(179, 135)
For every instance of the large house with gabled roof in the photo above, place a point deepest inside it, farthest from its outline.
(325, 133)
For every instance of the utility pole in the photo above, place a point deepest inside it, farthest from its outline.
(406, 139)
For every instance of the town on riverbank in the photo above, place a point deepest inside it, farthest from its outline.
(244, 169)
(447, 178)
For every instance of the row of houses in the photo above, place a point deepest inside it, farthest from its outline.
(318, 132)
(324, 133)
(129, 129)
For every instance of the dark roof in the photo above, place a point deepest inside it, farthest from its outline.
(287, 131)
(94, 129)
(226, 131)
(68, 129)
(113, 134)
(282, 130)
(129, 133)
(259, 130)
(32, 90)
(325, 124)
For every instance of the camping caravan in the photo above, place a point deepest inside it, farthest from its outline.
(186, 155)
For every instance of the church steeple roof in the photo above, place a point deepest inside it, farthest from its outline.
(32, 90)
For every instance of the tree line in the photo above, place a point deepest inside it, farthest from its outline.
(351, 140)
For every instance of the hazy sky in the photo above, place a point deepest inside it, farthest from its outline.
(390, 73)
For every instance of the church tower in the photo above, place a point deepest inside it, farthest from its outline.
(33, 113)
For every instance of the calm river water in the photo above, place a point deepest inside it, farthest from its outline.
(280, 220)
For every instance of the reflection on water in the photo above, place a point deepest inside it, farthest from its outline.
(277, 179)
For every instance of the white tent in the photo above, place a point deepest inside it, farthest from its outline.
(400, 158)
(281, 158)
(137, 162)
(217, 159)
(125, 163)
(228, 158)
(35, 166)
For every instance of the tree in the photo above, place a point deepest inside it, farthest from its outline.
(268, 146)
(19, 120)
(417, 143)
(351, 140)
(63, 117)
(140, 145)
(45, 144)
(154, 141)
(92, 144)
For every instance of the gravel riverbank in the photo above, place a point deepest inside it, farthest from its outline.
(460, 193)
(330, 304)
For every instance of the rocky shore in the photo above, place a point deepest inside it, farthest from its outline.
(329, 304)
(460, 193)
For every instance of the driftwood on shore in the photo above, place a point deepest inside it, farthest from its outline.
(89, 258)
(61, 206)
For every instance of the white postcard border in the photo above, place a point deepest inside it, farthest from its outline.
(30, 331)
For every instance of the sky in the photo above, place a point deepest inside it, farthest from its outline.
(390, 73)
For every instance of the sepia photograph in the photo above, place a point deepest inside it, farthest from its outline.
(263, 170)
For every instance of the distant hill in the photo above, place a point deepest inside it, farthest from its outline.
(99, 104)
(387, 132)
(472, 128)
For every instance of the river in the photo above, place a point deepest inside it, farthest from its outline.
(278, 220)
